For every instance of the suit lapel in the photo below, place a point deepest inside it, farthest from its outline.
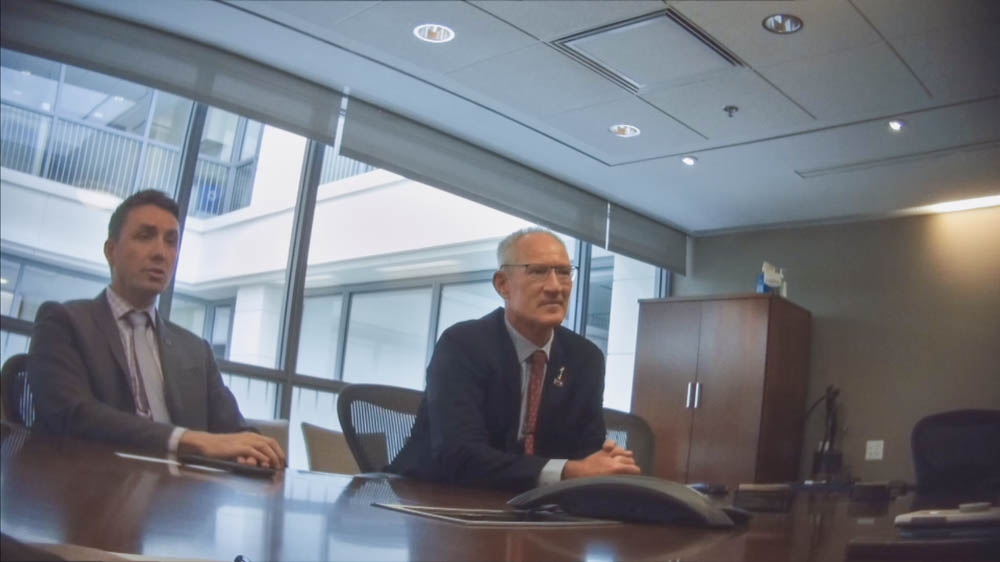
(509, 370)
(108, 327)
(553, 393)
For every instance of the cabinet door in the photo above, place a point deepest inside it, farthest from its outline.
(666, 359)
(726, 422)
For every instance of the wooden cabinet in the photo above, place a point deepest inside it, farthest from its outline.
(722, 382)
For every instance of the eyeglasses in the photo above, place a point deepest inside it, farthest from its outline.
(541, 271)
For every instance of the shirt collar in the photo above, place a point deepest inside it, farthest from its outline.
(522, 346)
(120, 307)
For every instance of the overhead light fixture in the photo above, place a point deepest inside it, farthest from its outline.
(624, 130)
(782, 24)
(962, 205)
(897, 125)
(434, 33)
(3, 280)
(689, 160)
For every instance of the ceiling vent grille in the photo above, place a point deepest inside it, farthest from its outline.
(672, 21)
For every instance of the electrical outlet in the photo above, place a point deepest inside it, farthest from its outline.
(873, 450)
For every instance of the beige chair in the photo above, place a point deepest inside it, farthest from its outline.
(327, 450)
(275, 429)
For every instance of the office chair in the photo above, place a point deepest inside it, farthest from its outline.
(327, 450)
(275, 429)
(633, 433)
(377, 420)
(18, 407)
(958, 452)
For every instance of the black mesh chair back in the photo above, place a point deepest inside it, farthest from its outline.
(958, 451)
(376, 421)
(18, 406)
(631, 432)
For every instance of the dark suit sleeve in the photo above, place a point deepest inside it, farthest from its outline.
(456, 397)
(593, 432)
(64, 401)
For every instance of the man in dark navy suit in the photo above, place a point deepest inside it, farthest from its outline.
(111, 369)
(513, 399)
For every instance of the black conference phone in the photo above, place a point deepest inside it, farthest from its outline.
(641, 499)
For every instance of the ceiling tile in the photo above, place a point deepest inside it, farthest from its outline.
(385, 31)
(828, 26)
(538, 80)
(849, 84)
(549, 20)
(901, 18)
(762, 109)
(955, 63)
(587, 129)
(652, 51)
(312, 17)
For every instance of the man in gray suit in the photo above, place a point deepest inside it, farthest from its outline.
(111, 369)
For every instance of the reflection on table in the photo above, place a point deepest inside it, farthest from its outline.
(57, 490)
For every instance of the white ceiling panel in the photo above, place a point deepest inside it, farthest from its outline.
(652, 51)
(953, 63)
(761, 109)
(386, 30)
(312, 17)
(588, 127)
(828, 26)
(849, 84)
(902, 18)
(549, 20)
(538, 80)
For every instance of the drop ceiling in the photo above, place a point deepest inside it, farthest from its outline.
(541, 81)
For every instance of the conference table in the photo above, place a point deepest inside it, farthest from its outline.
(56, 490)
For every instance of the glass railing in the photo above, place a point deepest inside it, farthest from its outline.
(109, 161)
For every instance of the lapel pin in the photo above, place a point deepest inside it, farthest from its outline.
(558, 381)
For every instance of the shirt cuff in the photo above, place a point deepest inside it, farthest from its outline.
(551, 472)
(174, 440)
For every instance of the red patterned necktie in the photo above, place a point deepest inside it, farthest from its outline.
(537, 360)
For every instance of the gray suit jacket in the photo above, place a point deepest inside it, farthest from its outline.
(78, 376)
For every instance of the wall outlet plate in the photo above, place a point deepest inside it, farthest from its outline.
(873, 450)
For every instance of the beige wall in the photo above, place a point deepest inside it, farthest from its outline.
(906, 318)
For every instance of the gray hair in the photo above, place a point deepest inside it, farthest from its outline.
(505, 248)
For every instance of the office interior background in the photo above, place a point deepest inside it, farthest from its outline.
(319, 248)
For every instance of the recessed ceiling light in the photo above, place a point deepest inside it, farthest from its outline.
(624, 130)
(3, 280)
(782, 23)
(689, 160)
(98, 115)
(118, 99)
(897, 125)
(434, 33)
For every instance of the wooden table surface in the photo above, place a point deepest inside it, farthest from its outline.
(57, 490)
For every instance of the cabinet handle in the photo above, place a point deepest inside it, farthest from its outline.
(697, 394)
(687, 402)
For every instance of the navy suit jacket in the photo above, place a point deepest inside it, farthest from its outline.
(78, 377)
(466, 427)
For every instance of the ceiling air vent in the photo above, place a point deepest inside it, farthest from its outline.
(655, 49)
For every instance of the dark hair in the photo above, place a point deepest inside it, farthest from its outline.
(138, 199)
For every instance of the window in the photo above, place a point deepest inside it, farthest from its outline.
(387, 337)
(320, 334)
(616, 285)
(238, 234)
(392, 262)
(465, 301)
